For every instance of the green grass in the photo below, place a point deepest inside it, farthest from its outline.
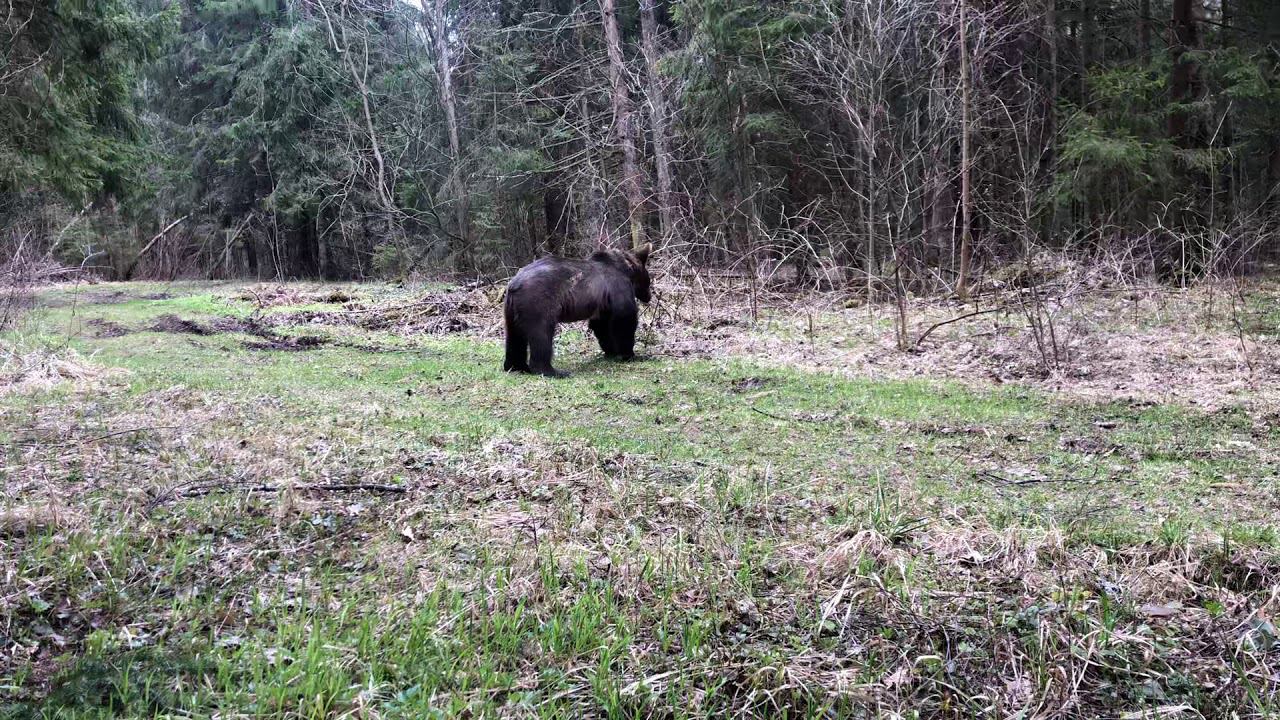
(675, 538)
(816, 431)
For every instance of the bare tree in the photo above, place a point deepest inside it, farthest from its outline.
(437, 22)
(1185, 35)
(622, 124)
(1144, 31)
(966, 164)
(658, 115)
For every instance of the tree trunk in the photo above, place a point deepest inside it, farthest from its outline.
(251, 256)
(658, 117)
(1225, 137)
(322, 250)
(359, 78)
(1227, 30)
(1144, 31)
(966, 189)
(555, 209)
(444, 72)
(1272, 190)
(1088, 36)
(1185, 37)
(942, 202)
(869, 219)
(1049, 137)
(590, 204)
(622, 120)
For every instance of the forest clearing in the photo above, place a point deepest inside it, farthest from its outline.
(327, 500)
(930, 368)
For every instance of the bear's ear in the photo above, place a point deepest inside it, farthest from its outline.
(643, 252)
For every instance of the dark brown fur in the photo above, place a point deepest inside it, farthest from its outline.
(601, 289)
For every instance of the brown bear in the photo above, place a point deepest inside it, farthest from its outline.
(602, 290)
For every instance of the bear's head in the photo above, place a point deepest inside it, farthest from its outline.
(640, 272)
(634, 264)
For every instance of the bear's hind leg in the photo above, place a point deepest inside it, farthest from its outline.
(600, 328)
(541, 345)
(517, 359)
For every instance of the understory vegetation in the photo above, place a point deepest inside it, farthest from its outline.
(880, 147)
(308, 501)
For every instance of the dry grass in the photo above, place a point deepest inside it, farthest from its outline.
(340, 545)
(26, 520)
(268, 296)
(1123, 342)
(879, 612)
(44, 369)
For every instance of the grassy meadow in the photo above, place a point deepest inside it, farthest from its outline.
(215, 503)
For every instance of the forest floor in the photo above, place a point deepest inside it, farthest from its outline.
(310, 501)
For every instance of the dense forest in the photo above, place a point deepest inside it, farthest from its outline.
(848, 143)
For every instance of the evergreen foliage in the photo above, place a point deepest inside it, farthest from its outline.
(313, 137)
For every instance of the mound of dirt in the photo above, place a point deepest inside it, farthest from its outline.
(272, 296)
(443, 312)
(284, 295)
(288, 344)
(270, 339)
(106, 328)
(175, 324)
(334, 297)
(440, 313)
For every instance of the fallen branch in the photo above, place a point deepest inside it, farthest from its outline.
(790, 419)
(203, 490)
(100, 438)
(128, 273)
(1006, 482)
(944, 323)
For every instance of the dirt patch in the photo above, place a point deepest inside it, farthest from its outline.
(1089, 445)
(288, 344)
(110, 297)
(742, 385)
(284, 295)
(106, 328)
(75, 297)
(437, 313)
(214, 326)
(268, 337)
(236, 325)
(175, 324)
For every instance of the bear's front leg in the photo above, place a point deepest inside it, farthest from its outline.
(600, 328)
(623, 330)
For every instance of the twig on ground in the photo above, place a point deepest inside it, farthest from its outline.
(937, 325)
(100, 438)
(202, 490)
(787, 419)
